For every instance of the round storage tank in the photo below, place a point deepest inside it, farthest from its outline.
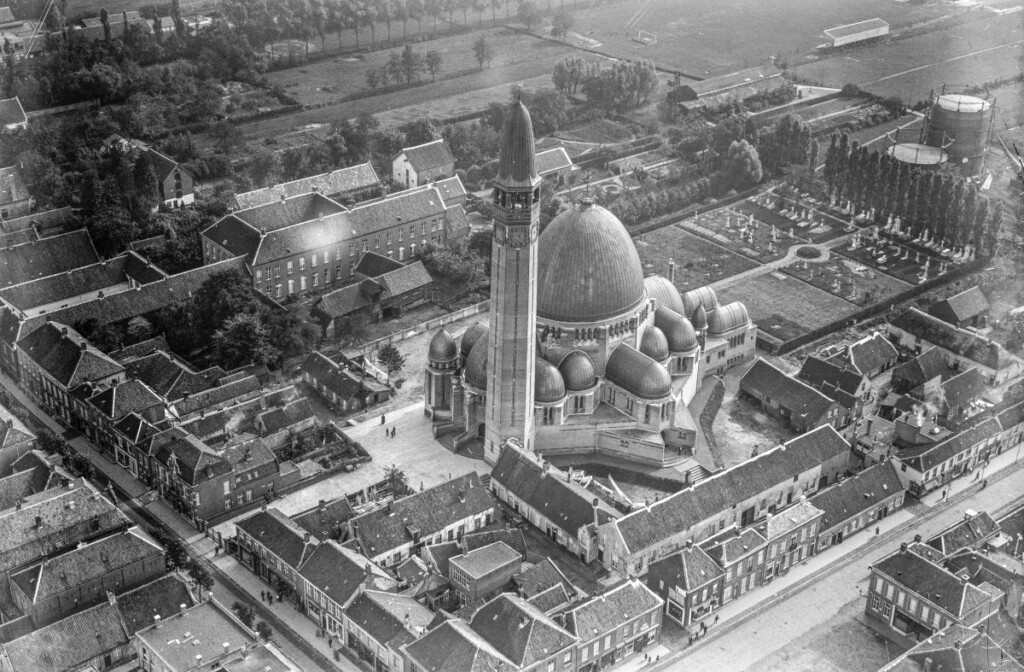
(967, 121)
(918, 155)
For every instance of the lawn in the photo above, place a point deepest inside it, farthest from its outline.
(698, 261)
(714, 37)
(783, 306)
(911, 67)
(847, 280)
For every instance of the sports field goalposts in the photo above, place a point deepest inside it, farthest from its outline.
(646, 37)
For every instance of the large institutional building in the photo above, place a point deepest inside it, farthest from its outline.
(583, 354)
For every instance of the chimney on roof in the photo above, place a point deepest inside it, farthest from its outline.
(918, 538)
(199, 660)
(391, 510)
(927, 665)
(689, 544)
(263, 506)
(181, 609)
(39, 522)
(672, 270)
(282, 197)
(64, 330)
(957, 644)
(322, 505)
(227, 647)
(462, 496)
(156, 621)
(903, 548)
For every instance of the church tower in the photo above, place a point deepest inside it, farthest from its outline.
(512, 341)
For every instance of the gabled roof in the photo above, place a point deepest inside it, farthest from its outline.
(542, 577)
(63, 354)
(162, 597)
(716, 85)
(783, 522)
(130, 396)
(306, 236)
(520, 631)
(960, 341)
(480, 562)
(939, 586)
(802, 400)
(453, 646)
(106, 275)
(611, 609)
(551, 160)
(956, 649)
(195, 461)
(438, 555)
(45, 222)
(335, 184)
(732, 545)
(927, 366)
(69, 643)
(434, 154)
(327, 521)
(819, 373)
(289, 211)
(11, 111)
(216, 395)
(857, 494)
(6, 15)
(451, 188)
(869, 353)
(961, 307)
(279, 535)
(134, 428)
(456, 222)
(9, 434)
(426, 512)
(339, 572)
(683, 510)
(688, 569)
(86, 563)
(234, 235)
(24, 482)
(140, 269)
(971, 532)
(963, 389)
(390, 619)
(46, 256)
(565, 504)
(372, 264)
(141, 349)
(12, 186)
(290, 414)
(931, 455)
(338, 379)
(402, 207)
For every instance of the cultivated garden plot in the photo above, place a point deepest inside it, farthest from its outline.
(847, 279)
(698, 261)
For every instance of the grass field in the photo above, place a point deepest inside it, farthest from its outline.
(721, 36)
(836, 277)
(698, 261)
(969, 52)
(785, 307)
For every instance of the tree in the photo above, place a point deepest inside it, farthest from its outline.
(741, 166)
(78, 465)
(244, 339)
(244, 612)
(199, 574)
(528, 13)
(562, 24)
(177, 554)
(390, 357)
(105, 22)
(398, 481)
(139, 329)
(112, 229)
(433, 62)
(373, 78)
(482, 51)
(412, 64)
(264, 630)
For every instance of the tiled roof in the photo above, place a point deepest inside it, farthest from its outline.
(799, 398)
(957, 649)
(970, 532)
(567, 505)
(715, 85)
(687, 569)
(17, 486)
(162, 597)
(338, 572)
(404, 279)
(552, 600)
(857, 494)
(129, 397)
(1011, 416)
(963, 389)
(402, 207)
(551, 160)
(960, 341)
(234, 235)
(542, 577)
(453, 646)
(427, 512)
(141, 269)
(451, 188)
(86, 563)
(71, 283)
(134, 428)
(681, 511)
(479, 562)
(196, 461)
(338, 379)
(372, 264)
(732, 545)
(279, 535)
(66, 356)
(870, 353)
(65, 515)
(11, 111)
(783, 522)
(216, 395)
(927, 456)
(46, 256)
(12, 186)
(520, 631)
(280, 214)
(932, 582)
(438, 555)
(6, 15)
(513, 537)
(141, 349)
(928, 365)
(69, 643)
(611, 609)
(17, 237)
(300, 238)
(390, 619)
(281, 418)
(45, 223)
(456, 222)
(163, 165)
(818, 372)
(11, 435)
(412, 570)
(335, 184)
(961, 307)
(429, 155)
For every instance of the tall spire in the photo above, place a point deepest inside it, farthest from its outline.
(515, 163)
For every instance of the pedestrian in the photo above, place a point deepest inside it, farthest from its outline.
(691, 640)
(382, 419)
(860, 591)
(716, 619)
(977, 475)
(878, 531)
(657, 659)
(263, 596)
(392, 432)
(330, 642)
(944, 493)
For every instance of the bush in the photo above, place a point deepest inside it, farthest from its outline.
(808, 252)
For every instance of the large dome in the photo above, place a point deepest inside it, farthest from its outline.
(470, 337)
(476, 365)
(588, 268)
(665, 292)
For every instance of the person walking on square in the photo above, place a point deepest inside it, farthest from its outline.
(392, 432)
(383, 418)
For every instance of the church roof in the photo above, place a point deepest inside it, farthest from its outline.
(700, 318)
(728, 317)
(442, 347)
(588, 268)
(677, 329)
(476, 365)
(578, 371)
(549, 386)
(654, 344)
(470, 336)
(638, 373)
(665, 292)
(702, 296)
(516, 163)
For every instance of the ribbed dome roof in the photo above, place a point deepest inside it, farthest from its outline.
(476, 365)
(548, 384)
(638, 373)
(700, 318)
(578, 371)
(515, 160)
(588, 268)
(469, 338)
(665, 292)
(677, 329)
(702, 296)
(654, 344)
(442, 347)
(727, 317)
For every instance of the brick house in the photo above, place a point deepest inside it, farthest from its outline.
(15, 440)
(792, 536)
(615, 625)
(333, 576)
(929, 456)
(273, 548)
(869, 356)
(175, 183)
(341, 387)
(376, 624)
(480, 573)
(968, 308)
(857, 502)
(690, 582)
(799, 405)
(422, 164)
(741, 555)
(351, 184)
(555, 165)
(108, 407)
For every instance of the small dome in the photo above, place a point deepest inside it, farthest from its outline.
(702, 296)
(700, 318)
(442, 347)
(587, 267)
(548, 384)
(638, 373)
(475, 373)
(654, 344)
(665, 292)
(469, 338)
(578, 371)
(677, 329)
(727, 318)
